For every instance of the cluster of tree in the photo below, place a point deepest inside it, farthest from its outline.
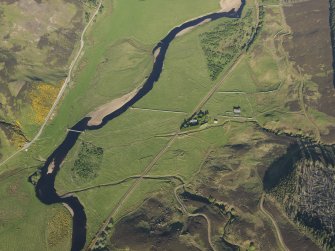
(306, 193)
(222, 44)
(88, 161)
(87, 16)
(256, 30)
(33, 179)
(196, 119)
(91, 2)
(103, 238)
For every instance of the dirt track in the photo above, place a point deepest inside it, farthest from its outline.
(267, 214)
(62, 90)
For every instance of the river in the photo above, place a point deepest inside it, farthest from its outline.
(45, 187)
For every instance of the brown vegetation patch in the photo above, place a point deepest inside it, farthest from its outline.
(197, 227)
(8, 64)
(294, 106)
(151, 227)
(330, 137)
(13, 134)
(8, 1)
(310, 45)
(310, 48)
(245, 199)
(326, 102)
(261, 233)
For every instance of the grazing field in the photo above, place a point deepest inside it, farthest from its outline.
(138, 30)
(105, 72)
(106, 46)
(25, 223)
(179, 88)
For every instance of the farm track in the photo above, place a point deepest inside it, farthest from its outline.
(62, 90)
(157, 110)
(163, 177)
(184, 210)
(267, 214)
(132, 189)
(302, 104)
(218, 85)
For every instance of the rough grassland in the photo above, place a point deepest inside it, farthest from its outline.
(267, 86)
(33, 51)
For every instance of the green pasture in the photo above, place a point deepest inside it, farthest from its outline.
(25, 222)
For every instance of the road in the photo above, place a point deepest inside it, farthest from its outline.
(183, 208)
(230, 70)
(115, 183)
(303, 106)
(266, 213)
(61, 92)
(133, 188)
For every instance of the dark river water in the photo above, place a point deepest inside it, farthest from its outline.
(45, 189)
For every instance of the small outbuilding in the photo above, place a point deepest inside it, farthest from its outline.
(193, 122)
(237, 110)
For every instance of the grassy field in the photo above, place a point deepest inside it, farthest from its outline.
(107, 33)
(25, 223)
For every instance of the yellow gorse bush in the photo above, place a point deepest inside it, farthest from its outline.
(59, 226)
(42, 99)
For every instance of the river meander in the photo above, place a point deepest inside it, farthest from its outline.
(45, 189)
